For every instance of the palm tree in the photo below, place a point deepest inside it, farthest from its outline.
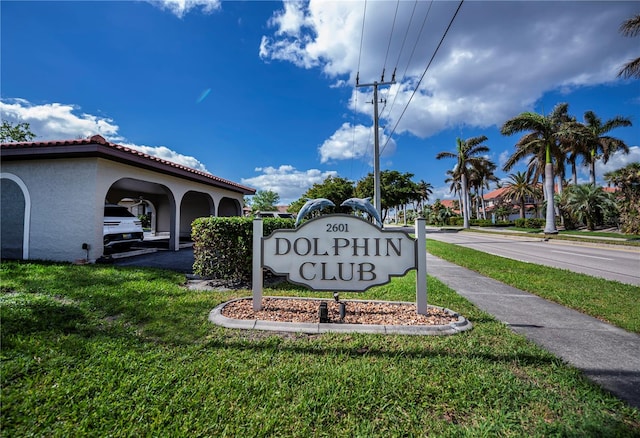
(423, 191)
(454, 185)
(589, 203)
(575, 148)
(631, 28)
(519, 189)
(543, 144)
(482, 174)
(599, 145)
(467, 152)
(627, 180)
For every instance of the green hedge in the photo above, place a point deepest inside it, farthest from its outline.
(533, 223)
(222, 246)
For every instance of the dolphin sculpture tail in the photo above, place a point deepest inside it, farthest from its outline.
(312, 205)
(363, 204)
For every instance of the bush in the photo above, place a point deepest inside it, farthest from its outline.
(222, 246)
(534, 223)
(456, 221)
(481, 223)
(145, 220)
(520, 223)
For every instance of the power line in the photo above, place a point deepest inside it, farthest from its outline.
(393, 25)
(424, 73)
(413, 50)
(406, 34)
(355, 100)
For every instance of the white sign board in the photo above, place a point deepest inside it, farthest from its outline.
(339, 252)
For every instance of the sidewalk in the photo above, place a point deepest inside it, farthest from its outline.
(606, 354)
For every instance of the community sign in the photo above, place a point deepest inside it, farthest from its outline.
(339, 252)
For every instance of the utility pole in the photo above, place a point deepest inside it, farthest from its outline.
(376, 145)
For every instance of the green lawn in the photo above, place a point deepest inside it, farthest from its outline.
(572, 235)
(107, 351)
(611, 301)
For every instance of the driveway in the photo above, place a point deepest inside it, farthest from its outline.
(179, 261)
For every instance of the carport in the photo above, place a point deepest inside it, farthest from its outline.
(53, 196)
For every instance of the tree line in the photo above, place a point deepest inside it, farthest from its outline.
(552, 146)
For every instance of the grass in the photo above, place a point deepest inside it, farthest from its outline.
(107, 351)
(572, 235)
(631, 237)
(611, 301)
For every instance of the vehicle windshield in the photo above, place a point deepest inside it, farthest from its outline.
(116, 211)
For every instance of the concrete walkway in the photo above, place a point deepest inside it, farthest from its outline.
(606, 354)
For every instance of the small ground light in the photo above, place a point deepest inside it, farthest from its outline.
(323, 312)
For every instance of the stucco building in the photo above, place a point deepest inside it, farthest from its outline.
(54, 192)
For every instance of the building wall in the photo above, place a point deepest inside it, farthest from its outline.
(67, 197)
(63, 213)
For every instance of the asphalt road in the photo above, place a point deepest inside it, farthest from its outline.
(618, 263)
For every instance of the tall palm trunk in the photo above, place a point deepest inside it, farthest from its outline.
(592, 166)
(465, 201)
(550, 225)
(484, 206)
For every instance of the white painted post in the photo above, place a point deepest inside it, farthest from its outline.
(257, 264)
(421, 272)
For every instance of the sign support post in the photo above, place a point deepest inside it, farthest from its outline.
(256, 280)
(421, 271)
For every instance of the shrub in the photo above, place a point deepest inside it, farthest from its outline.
(481, 222)
(222, 246)
(520, 222)
(534, 222)
(456, 221)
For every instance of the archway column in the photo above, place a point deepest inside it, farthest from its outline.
(174, 239)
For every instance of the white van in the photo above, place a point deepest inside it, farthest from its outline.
(121, 228)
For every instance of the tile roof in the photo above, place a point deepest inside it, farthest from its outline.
(97, 146)
(449, 203)
(495, 193)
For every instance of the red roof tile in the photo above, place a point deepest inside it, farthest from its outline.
(71, 148)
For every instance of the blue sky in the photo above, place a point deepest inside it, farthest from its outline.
(263, 93)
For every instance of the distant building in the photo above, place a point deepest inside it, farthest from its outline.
(496, 198)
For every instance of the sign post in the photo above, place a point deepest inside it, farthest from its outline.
(256, 275)
(421, 271)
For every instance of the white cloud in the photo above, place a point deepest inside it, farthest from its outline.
(170, 155)
(497, 60)
(57, 121)
(182, 7)
(502, 158)
(442, 192)
(354, 142)
(288, 182)
(617, 161)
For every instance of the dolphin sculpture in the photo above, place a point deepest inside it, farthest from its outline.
(312, 205)
(363, 204)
